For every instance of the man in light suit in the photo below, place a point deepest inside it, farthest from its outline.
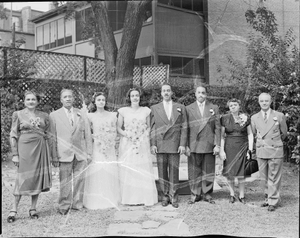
(168, 141)
(270, 129)
(73, 142)
(204, 138)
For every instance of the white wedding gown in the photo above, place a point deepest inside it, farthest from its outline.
(102, 188)
(135, 160)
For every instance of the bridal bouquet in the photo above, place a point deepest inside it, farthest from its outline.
(105, 137)
(135, 130)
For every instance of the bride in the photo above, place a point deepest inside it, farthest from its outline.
(102, 182)
(135, 160)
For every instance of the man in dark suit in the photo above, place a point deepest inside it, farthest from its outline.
(270, 129)
(168, 141)
(204, 138)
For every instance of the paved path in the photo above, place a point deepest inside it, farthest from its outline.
(148, 221)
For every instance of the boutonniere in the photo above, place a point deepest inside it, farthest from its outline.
(78, 114)
(35, 122)
(243, 119)
(212, 112)
(179, 109)
(276, 120)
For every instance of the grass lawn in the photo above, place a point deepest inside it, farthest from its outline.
(236, 219)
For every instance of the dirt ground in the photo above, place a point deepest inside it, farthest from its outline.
(236, 219)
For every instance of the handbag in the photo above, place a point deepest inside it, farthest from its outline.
(251, 165)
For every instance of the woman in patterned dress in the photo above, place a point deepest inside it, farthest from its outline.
(236, 142)
(102, 180)
(135, 160)
(30, 144)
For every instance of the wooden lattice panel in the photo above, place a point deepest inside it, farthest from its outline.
(59, 66)
(154, 75)
(137, 76)
(95, 70)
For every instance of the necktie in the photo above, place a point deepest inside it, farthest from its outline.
(201, 108)
(265, 117)
(70, 117)
(168, 110)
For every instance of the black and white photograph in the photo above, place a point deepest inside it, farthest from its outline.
(147, 118)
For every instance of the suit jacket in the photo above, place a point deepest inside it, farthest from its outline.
(70, 141)
(167, 135)
(204, 132)
(269, 136)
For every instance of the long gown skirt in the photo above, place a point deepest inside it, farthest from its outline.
(34, 171)
(101, 183)
(236, 150)
(136, 173)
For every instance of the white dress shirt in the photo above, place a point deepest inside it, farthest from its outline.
(201, 107)
(70, 115)
(268, 113)
(168, 108)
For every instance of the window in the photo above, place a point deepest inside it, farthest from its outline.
(82, 18)
(116, 14)
(54, 34)
(183, 65)
(194, 5)
(142, 61)
(16, 20)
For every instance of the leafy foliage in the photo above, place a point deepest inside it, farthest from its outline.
(272, 65)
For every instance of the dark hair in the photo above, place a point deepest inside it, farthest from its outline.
(203, 85)
(233, 100)
(38, 97)
(166, 84)
(130, 90)
(95, 95)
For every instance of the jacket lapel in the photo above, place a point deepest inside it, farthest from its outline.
(206, 116)
(175, 113)
(162, 113)
(270, 123)
(64, 118)
(76, 116)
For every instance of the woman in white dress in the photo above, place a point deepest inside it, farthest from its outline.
(135, 160)
(102, 182)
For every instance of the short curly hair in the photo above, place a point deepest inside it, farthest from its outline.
(131, 90)
(38, 97)
(233, 100)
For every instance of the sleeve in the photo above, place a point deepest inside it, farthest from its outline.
(14, 133)
(283, 127)
(121, 111)
(147, 111)
(53, 138)
(222, 120)
(217, 140)
(184, 127)
(153, 141)
(88, 135)
(48, 136)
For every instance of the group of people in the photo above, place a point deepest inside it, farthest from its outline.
(96, 174)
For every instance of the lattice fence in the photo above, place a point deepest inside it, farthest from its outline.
(57, 66)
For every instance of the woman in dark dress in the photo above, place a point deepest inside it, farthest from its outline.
(236, 142)
(30, 144)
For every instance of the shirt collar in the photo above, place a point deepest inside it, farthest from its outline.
(165, 103)
(268, 112)
(67, 111)
(198, 103)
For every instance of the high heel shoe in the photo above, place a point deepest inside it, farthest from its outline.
(11, 219)
(242, 200)
(232, 199)
(33, 215)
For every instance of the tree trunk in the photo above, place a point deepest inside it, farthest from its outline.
(134, 18)
(106, 36)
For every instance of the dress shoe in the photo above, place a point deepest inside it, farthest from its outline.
(232, 199)
(242, 200)
(165, 203)
(197, 198)
(175, 204)
(210, 200)
(12, 216)
(265, 204)
(271, 208)
(62, 212)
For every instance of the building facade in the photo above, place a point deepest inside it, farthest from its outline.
(192, 36)
(24, 29)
